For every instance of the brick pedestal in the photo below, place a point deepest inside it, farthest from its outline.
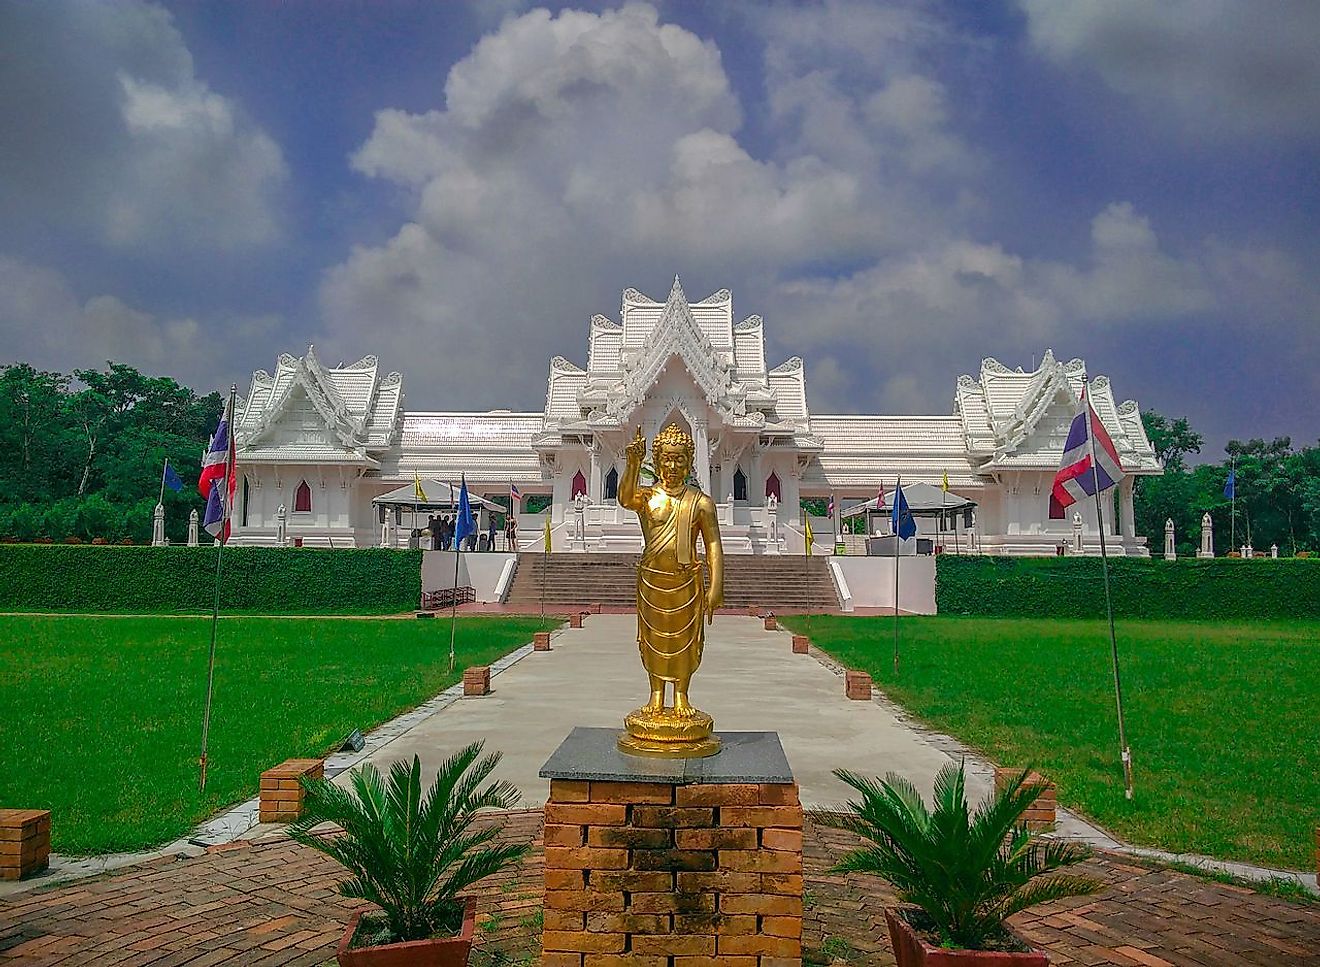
(1042, 813)
(24, 842)
(476, 680)
(281, 789)
(770, 623)
(667, 872)
(541, 641)
(857, 686)
(800, 644)
(575, 620)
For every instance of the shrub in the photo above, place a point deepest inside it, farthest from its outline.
(968, 870)
(1190, 588)
(412, 852)
(178, 579)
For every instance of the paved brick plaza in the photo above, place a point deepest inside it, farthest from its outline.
(271, 902)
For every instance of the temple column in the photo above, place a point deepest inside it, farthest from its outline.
(1125, 488)
(756, 483)
(593, 481)
(701, 441)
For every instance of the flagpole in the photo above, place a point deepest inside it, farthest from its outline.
(215, 611)
(1124, 753)
(453, 614)
(898, 490)
(163, 468)
(1232, 514)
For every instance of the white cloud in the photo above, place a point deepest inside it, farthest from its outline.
(1222, 67)
(962, 299)
(45, 323)
(576, 154)
(122, 138)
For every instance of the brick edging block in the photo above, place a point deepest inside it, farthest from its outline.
(541, 641)
(476, 680)
(771, 624)
(24, 842)
(281, 796)
(800, 644)
(575, 620)
(1042, 813)
(857, 686)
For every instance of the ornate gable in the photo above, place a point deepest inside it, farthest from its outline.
(355, 407)
(676, 334)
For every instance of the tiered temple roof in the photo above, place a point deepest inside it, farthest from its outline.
(1004, 419)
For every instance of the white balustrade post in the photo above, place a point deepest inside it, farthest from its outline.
(1170, 552)
(158, 527)
(1207, 536)
(192, 529)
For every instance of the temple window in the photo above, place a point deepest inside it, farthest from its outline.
(739, 484)
(302, 499)
(612, 485)
(772, 486)
(579, 486)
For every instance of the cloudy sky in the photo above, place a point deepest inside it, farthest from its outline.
(898, 188)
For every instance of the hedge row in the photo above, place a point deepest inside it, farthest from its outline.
(181, 580)
(1072, 587)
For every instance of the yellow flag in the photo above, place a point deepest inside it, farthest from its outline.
(808, 536)
(418, 492)
(547, 533)
(945, 485)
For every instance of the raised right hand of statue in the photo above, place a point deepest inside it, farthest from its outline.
(636, 450)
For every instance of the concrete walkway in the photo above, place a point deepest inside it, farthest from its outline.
(749, 681)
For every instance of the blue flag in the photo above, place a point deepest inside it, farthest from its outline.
(1230, 488)
(172, 479)
(901, 519)
(465, 525)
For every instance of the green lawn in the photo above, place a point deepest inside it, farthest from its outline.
(1222, 718)
(101, 717)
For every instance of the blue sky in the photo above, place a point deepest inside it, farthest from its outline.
(898, 188)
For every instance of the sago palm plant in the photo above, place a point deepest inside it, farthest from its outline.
(967, 869)
(412, 852)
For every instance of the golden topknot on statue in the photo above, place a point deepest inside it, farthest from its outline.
(672, 437)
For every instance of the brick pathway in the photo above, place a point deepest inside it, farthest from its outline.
(271, 902)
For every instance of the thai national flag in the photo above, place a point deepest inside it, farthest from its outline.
(829, 510)
(217, 479)
(1076, 477)
(514, 492)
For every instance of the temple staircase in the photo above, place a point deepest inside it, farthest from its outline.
(777, 583)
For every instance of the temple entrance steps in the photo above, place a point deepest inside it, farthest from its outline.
(776, 583)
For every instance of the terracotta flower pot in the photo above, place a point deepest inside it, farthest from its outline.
(437, 952)
(911, 950)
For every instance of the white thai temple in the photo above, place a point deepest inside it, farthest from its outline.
(322, 442)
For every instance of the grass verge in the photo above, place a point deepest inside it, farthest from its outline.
(1220, 716)
(101, 718)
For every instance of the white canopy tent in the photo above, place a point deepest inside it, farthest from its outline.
(922, 499)
(439, 496)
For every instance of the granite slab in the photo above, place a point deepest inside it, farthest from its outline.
(591, 753)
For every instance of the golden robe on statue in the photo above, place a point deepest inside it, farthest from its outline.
(671, 593)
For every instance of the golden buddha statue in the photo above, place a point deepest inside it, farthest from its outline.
(674, 604)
